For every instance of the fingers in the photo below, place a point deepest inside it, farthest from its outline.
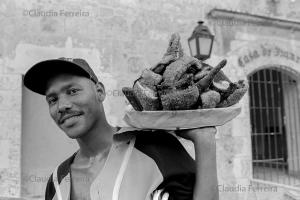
(165, 196)
(159, 195)
(156, 195)
(212, 129)
(206, 134)
(208, 129)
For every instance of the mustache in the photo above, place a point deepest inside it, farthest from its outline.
(68, 114)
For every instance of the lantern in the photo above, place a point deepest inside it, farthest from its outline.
(200, 42)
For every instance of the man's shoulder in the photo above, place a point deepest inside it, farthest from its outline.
(63, 169)
(157, 138)
(175, 164)
(165, 149)
(148, 137)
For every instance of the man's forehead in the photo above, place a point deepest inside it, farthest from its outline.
(63, 80)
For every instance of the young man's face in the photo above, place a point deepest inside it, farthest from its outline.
(75, 104)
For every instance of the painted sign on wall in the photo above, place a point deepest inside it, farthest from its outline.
(266, 50)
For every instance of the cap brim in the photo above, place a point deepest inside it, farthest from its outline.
(37, 77)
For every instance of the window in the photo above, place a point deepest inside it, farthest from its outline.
(275, 124)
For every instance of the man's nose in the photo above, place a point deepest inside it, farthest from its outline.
(64, 104)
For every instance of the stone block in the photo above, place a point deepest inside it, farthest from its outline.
(224, 166)
(10, 82)
(10, 123)
(266, 191)
(241, 124)
(136, 65)
(83, 27)
(233, 146)
(105, 53)
(105, 12)
(11, 131)
(9, 182)
(116, 25)
(228, 189)
(229, 165)
(52, 25)
(130, 47)
(4, 153)
(242, 167)
(140, 28)
(10, 100)
(224, 131)
(14, 156)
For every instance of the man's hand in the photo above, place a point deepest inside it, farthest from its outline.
(206, 134)
(206, 186)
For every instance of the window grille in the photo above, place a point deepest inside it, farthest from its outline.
(275, 124)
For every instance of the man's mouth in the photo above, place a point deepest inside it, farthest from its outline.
(67, 117)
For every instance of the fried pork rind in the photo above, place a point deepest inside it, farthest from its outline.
(180, 99)
(221, 77)
(203, 72)
(174, 72)
(207, 80)
(181, 82)
(235, 96)
(160, 67)
(150, 79)
(175, 48)
(180, 67)
(225, 88)
(173, 52)
(147, 96)
(132, 99)
(210, 99)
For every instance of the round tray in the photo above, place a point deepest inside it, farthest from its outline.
(180, 119)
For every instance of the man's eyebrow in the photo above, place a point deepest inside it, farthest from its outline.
(52, 94)
(62, 89)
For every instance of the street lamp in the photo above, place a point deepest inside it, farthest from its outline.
(201, 42)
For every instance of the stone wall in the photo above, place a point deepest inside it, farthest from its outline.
(250, 46)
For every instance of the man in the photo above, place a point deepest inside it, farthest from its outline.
(129, 166)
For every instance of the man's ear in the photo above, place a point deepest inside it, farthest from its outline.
(100, 91)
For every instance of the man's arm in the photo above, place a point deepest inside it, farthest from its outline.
(206, 186)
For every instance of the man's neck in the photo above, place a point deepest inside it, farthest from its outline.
(97, 141)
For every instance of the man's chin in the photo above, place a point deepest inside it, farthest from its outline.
(73, 134)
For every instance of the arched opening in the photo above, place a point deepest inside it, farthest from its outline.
(275, 125)
(43, 145)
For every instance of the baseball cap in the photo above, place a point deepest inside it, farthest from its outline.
(38, 75)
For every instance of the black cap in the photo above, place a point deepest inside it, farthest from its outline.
(37, 76)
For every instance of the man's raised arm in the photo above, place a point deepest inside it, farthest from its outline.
(206, 186)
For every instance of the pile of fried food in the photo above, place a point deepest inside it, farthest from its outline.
(181, 82)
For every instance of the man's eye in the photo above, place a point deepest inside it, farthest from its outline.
(51, 100)
(72, 91)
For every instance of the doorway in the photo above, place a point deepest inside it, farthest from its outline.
(43, 145)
